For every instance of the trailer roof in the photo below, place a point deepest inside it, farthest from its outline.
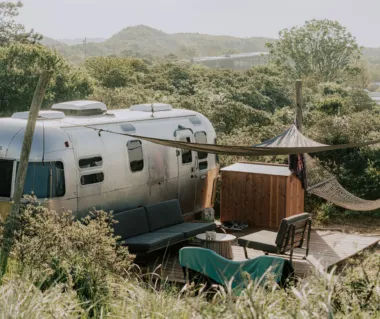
(257, 168)
(112, 116)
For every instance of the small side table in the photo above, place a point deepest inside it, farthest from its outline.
(221, 245)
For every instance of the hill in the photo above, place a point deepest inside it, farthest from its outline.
(149, 41)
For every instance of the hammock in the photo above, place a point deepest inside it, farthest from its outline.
(325, 185)
(292, 135)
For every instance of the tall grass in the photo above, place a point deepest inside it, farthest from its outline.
(20, 298)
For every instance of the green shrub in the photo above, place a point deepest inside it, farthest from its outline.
(325, 212)
(53, 248)
(331, 105)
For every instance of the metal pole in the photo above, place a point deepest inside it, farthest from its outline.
(299, 104)
(11, 221)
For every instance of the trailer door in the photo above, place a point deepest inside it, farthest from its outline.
(90, 168)
(186, 172)
(202, 193)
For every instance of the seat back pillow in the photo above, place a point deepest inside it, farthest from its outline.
(164, 214)
(131, 223)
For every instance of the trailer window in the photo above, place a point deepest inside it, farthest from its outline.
(187, 156)
(92, 178)
(216, 155)
(203, 165)
(6, 170)
(135, 154)
(89, 162)
(45, 180)
(201, 137)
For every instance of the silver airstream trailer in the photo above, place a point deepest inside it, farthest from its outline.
(77, 166)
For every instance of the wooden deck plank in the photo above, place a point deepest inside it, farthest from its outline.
(327, 248)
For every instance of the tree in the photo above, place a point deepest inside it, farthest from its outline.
(321, 48)
(115, 72)
(20, 65)
(10, 31)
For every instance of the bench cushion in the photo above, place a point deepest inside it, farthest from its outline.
(152, 241)
(131, 223)
(296, 219)
(164, 214)
(188, 229)
(263, 240)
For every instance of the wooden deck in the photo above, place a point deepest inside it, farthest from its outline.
(327, 248)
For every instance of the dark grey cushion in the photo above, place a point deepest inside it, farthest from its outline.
(188, 229)
(263, 240)
(296, 219)
(164, 214)
(131, 223)
(152, 241)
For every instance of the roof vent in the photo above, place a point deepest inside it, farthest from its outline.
(81, 108)
(42, 115)
(155, 107)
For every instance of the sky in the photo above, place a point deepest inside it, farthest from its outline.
(242, 18)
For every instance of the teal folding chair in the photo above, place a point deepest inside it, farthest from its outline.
(223, 271)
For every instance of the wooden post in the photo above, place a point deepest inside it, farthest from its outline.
(11, 222)
(299, 105)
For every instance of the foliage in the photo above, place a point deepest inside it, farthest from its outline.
(56, 249)
(10, 30)
(113, 72)
(20, 66)
(325, 212)
(321, 48)
(193, 87)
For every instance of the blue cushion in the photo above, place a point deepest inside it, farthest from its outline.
(131, 223)
(164, 214)
(152, 241)
(188, 229)
(263, 240)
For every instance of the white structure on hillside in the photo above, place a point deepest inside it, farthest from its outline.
(241, 61)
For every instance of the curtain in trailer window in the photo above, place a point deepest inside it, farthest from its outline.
(6, 169)
(187, 156)
(45, 180)
(135, 153)
(201, 137)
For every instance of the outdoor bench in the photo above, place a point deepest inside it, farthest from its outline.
(153, 227)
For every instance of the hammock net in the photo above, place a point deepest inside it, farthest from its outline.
(323, 184)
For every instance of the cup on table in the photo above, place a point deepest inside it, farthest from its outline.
(210, 235)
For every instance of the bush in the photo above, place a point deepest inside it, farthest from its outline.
(53, 248)
(325, 212)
